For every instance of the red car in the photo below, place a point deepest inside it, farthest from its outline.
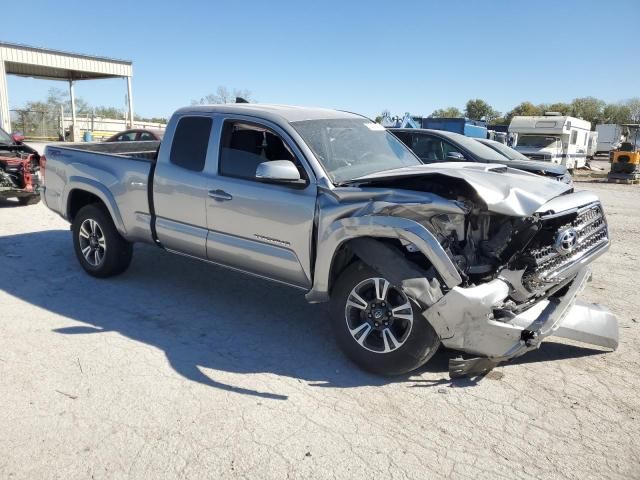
(137, 135)
(19, 170)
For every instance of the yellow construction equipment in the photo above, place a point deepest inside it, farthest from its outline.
(625, 160)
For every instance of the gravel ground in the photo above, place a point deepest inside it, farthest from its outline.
(177, 369)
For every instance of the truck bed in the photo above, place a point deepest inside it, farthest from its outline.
(136, 150)
(118, 173)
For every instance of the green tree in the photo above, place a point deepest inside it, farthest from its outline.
(480, 110)
(526, 109)
(223, 95)
(616, 113)
(588, 108)
(450, 112)
(40, 118)
(561, 107)
(151, 119)
(633, 104)
(57, 97)
(108, 112)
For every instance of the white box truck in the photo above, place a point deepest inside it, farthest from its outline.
(592, 145)
(610, 137)
(552, 138)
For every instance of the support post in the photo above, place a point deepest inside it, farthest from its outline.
(130, 102)
(5, 119)
(73, 111)
(61, 126)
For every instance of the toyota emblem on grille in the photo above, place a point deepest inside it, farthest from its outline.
(566, 240)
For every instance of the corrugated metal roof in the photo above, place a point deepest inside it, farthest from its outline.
(61, 52)
(46, 63)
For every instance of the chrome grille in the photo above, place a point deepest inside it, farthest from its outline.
(549, 263)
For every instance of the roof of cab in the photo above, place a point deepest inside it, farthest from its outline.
(431, 131)
(288, 113)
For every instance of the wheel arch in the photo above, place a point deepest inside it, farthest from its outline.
(335, 252)
(86, 192)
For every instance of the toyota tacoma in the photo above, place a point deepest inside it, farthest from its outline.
(484, 259)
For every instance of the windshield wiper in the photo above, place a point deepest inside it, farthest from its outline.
(344, 183)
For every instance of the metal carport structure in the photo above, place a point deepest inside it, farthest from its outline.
(26, 61)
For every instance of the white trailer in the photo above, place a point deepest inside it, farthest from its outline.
(610, 137)
(552, 138)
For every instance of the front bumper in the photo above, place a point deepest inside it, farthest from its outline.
(465, 320)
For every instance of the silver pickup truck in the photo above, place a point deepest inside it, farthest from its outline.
(485, 259)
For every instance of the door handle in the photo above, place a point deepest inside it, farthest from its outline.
(220, 195)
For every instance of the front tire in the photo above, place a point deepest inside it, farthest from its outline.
(100, 249)
(377, 326)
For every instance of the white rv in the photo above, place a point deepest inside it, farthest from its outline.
(552, 138)
(610, 137)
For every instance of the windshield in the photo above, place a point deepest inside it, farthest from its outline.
(508, 152)
(5, 138)
(349, 148)
(477, 149)
(537, 141)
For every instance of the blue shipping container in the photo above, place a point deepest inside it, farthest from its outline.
(463, 126)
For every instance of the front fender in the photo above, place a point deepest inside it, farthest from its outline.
(99, 190)
(345, 229)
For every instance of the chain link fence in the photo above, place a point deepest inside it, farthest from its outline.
(51, 125)
(42, 125)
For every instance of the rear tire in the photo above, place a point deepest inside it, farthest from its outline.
(412, 341)
(31, 200)
(100, 249)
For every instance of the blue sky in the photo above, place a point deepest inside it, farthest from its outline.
(358, 56)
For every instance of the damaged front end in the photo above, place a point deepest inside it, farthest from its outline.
(19, 173)
(493, 283)
(543, 266)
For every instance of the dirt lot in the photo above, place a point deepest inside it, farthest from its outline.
(181, 370)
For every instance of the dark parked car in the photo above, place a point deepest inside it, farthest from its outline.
(137, 134)
(433, 146)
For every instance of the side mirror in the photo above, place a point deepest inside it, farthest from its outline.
(278, 171)
(455, 157)
(17, 137)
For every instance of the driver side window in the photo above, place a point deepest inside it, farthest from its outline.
(432, 149)
(427, 148)
(244, 146)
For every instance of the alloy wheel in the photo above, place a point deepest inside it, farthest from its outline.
(93, 244)
(379, 315)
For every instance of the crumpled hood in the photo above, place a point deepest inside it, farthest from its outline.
(505, 190)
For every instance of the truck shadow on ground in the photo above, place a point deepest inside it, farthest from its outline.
(201, 316)
(9, 203)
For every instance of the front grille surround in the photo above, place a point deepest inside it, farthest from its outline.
(547, 264)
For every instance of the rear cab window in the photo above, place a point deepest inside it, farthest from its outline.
(190, 143)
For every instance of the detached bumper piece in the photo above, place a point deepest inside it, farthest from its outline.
(465, 321)
(460, 367)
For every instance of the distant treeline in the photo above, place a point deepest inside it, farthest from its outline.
(591, 109)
